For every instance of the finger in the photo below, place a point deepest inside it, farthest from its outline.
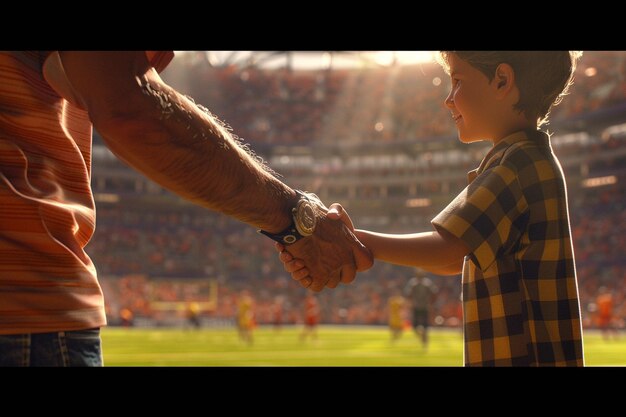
(279, 247)
(337, 212)
(306, 282)
(318, 284)
(285, 257)
(335, 278)
(293, 266)
(300, 275)
(348, 273)
(363, 257)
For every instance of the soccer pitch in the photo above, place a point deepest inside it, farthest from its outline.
(335, 346)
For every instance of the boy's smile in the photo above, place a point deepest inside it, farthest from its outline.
(470, 101)
(483, 109)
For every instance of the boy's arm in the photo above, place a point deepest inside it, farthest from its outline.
(438, 251)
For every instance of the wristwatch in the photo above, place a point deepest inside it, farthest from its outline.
(304, 220)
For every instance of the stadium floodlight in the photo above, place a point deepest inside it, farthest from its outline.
(106, 197)
(418, 202)
(599, 181)
(616, 132)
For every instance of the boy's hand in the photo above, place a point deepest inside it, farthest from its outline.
(308, 248)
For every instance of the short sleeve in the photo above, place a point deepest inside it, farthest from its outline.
(486, 215)
(159, 59)
(54, 73)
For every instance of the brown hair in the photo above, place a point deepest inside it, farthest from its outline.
(542, 77)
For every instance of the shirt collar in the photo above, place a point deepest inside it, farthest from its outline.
(496, 153)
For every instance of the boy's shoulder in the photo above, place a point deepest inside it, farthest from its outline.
(535, 166)
(532, 159)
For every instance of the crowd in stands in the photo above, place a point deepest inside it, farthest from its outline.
(600, 82)
(274, 106)
(370, 103)
(599, 234)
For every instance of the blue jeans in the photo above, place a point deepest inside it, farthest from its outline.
(71, 348)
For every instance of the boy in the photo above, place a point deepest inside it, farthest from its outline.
(508, 231)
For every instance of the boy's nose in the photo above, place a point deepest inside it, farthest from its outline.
(449, 101)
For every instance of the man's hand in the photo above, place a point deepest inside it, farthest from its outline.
(331, 255)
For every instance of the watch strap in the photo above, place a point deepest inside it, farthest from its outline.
(287, 237)
(292, 233)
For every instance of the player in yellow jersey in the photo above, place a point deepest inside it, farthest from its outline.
(192, 314)
(245, 317)
(396, 306)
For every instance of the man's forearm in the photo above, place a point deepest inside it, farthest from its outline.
(171, 140)
(168, 138)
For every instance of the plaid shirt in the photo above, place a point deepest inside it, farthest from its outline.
(520, 297)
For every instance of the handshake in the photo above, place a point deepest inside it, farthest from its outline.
(329, 252)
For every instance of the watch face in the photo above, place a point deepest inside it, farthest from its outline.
(305, 218)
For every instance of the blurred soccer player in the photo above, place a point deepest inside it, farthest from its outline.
(604, 301)
(49, 102)
(277, 313)
(420, 290)
(192, 314)
(311, 317)
(127, 317)
(396, 322)
(245, 317)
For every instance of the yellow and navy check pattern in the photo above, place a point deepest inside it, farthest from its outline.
(520, 297)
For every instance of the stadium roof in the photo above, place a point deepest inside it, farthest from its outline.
(312, 60)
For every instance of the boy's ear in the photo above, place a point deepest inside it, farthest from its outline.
(504, 79)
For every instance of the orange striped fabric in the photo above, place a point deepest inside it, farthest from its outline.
(47, 211)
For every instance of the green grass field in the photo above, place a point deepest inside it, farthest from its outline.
(335, 346)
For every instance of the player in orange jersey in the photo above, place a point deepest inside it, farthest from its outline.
(127, 317)
(604, 303)
(311, 317)
(277, 313)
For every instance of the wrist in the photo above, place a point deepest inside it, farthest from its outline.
(283, 217)
(304, 214)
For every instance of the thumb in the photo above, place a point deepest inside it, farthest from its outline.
(363, 257)
(337, 212)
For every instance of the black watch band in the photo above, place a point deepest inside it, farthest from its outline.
(304, 213)
(287, 237)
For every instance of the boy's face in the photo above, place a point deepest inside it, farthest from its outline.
(471, 101)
